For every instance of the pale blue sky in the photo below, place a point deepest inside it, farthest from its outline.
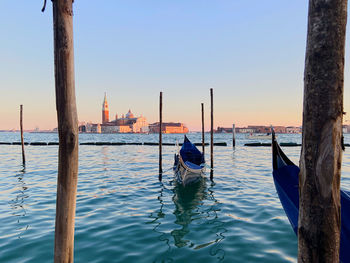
(250, 52)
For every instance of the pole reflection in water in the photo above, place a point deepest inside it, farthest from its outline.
(196, 224)
(158, 216)
(18, 203)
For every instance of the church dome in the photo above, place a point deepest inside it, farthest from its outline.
(129, 115)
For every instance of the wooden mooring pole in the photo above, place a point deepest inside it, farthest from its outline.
(203, 139)
(67, 130)
(233, 135)
(211, 135)
(321, 156)
(160, 134)
(21, 126)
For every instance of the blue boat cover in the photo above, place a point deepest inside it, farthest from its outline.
(286, 178)
(193, 166)
(190, 153)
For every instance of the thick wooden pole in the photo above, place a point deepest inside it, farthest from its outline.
(203, 139)
(211, 134)
(21, 126)
(321, 156)
(160, 134)
(233, 135)
(67, 130)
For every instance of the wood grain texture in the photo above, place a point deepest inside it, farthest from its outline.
(67, 130)
(320, 162)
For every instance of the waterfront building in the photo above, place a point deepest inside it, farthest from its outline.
(90, 127)
(126, 124)
(346, 128)
(244, 130)
(267, 129)
(168, 127)
(292, 129)
(95, 128)
(260, 129)
(224, 130)
(112, 128)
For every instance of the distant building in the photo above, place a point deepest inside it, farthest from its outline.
(89, 127)
(244, 130)
(105, 111)
(346, 128)
(267, 129)
(224, 130)
(111, 128)
(168, 127)
(292, 129)
(126, 124)
(260, 129)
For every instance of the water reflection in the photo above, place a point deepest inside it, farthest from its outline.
(220, 229)
(234, 155)
(196, 223)
(187, 200)
(105, 157)
(158, 216)
(18, 203)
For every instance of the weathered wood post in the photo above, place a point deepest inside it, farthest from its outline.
(67, 130)
(233, 135)
(321, 156)
(160, 134)
(211, 134)
(203, 139)
(21, 126)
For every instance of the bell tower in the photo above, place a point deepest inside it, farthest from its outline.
(105, 110)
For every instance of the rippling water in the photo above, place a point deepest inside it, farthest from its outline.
(124, 214)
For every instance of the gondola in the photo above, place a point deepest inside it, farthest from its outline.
(285, 176)
(189, 164)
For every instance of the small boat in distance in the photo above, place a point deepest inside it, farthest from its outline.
(286, 179)
(257, 136)
(189, 165)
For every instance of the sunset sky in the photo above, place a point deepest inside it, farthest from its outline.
(250, 52)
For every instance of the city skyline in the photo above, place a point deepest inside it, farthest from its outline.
(251, 54)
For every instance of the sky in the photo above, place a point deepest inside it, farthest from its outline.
(250, 52)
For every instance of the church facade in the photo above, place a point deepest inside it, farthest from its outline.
(126, 124)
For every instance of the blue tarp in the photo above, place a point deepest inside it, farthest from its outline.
(190, 153)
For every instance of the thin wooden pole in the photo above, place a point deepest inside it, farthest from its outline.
(211, 134)
(233, 135)
(160, 134)
(203, 139)
(321, 156)
(67, 130)
(22, 142)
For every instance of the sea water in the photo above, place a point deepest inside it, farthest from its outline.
(124, 214)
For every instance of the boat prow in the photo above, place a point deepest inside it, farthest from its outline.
(286, 179)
